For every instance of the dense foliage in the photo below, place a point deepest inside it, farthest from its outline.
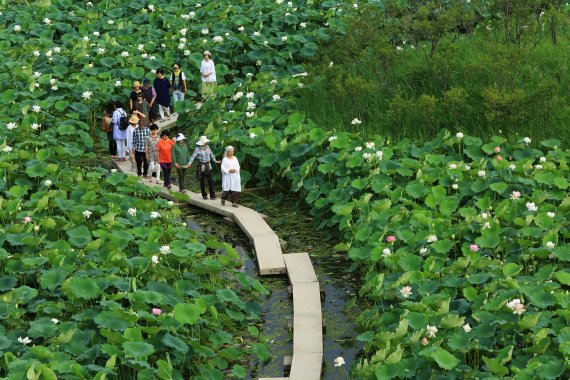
(410, 68)
(461, 242)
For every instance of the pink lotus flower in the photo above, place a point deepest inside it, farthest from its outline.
(406, 291)
(156, 311)
(424, 341)
(390, 238)
(497, 149)
(474, 247)
(500, 158)
(27, 219)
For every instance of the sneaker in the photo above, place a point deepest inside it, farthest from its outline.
(205, 197)
(212, 197)
(235, 205)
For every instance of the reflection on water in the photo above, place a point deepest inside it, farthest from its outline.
(340, 286)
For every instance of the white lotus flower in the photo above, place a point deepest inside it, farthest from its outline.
(17, 28)
(36, 108)
(48, 183)
(303, 25)
(550, 214)
(459, 135)
(25, 340)
(455, 186)
(367, 156)
(132, 211)
(466, 328)
(85, 38)
(101, 51)
(37, 53)
(542, 159)
(251, 105)
(338, 362)
(198, 5)
(89, 4)
(205, 31)
(531, 206)
(331, 64)
(281, 2)
(36, 126)
(170, 203)
(423, 251)
(550, 244)
(369, 145)
(124, 53)
(186, 52)
(481, 173)
(538, 167)
(110, 22)
(218, 39)
(332, 138)
(151, 7)
(452, 166)
(155, 259)
(249, 114)
(512, 167)
(358, 148)
(355, 5)
(516, 306)
(284, 38)
(486, 225)
(276, 97)
(431, 331)
(7, 149)
(37, 74)
(118, 83)
(47, 21)
(431, 239)
(515, 195)
(87, 214)
(256, 34)
(57, 49)
(55, 320)
(356, 121)
(11, 126)
(54, 87)
(406, 291)
(113, 170)
(252, 135)
(249, 95)
(237, 96)
(154, 215)
(192, 14)
(386, 252)
(379, 154)
(165, 249)
(265, 43)
(87, 95)
(527, 140)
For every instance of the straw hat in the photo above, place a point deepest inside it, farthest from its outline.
(180, 137)
(137, 83)
(203, 140)
(134, 119)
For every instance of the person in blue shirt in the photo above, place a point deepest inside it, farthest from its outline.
(162, 88)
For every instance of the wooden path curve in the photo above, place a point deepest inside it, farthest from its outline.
(307, 316)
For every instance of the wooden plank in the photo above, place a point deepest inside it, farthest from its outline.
(307, 335)
(306, 366)
(307, 300)
(299, 268)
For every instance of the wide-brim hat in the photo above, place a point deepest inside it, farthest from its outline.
(136, 83)
(202, 141)
(207, 52)
(134, 119)
(180, 137)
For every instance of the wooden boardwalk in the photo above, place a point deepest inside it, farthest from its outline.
(307, 316)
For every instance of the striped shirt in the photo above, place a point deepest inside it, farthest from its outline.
(204, 156)
(140, 138)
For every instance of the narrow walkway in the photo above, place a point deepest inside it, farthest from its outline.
(307, 317)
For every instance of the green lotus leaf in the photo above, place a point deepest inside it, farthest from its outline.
(188, 313)
(82, 287)
(138, 350)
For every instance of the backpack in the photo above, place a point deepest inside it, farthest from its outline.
(123, 122)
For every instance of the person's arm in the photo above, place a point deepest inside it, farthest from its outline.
(225, 166)
(131, 103)
(153, 97)
(213, 72)
(116, 118)
(184, 82)
(175, 156)
(212, 157)
(193, 156)
(146, 149)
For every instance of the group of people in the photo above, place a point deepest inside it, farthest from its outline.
(135, 137)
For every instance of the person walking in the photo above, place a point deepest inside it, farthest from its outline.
(142, 109)
(133, 124)
(162, 88)
(140, 138)
(164, 149)
(150, 97)
(231, 180)
(133, 96)
(107, 126)
(120, 135)
(180, 159)
(204, 169)
(208, 74)
(178, 80)
(152, 153)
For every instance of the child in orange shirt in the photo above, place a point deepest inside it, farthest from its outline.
(164, 148)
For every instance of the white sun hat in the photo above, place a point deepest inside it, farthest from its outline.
(180, 137)
(203, 140)
(207, 52)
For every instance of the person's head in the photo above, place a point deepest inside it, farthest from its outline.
(202, 142)
(176, 66)
(180, 139)
(118, 104)
(160, 73)
(134, 120)
(165, 135)
(229, 151)
(146, 83)
(154, 129)
(110, 108)
(136, 85)
(207, 55)
(140, 97)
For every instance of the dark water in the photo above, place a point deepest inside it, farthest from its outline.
(340, 287)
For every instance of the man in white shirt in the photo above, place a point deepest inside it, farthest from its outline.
(208, 74)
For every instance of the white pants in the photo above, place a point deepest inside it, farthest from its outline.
(161, 111)
(177, 95)
(121, 147)
(154, 167)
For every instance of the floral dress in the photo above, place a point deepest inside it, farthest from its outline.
(152, 152)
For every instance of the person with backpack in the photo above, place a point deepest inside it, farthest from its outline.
(140, 138)
(107, 126)
(208, 74)
(180, 158)
(162, 88)
(120, 125)
(178, 80)
(150, 97)
(164, 149)
(204, 169)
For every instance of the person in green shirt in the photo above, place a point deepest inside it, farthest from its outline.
(180, 158)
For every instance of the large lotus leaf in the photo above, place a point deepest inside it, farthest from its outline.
(138, 350)
(79, 236)
(82, 287)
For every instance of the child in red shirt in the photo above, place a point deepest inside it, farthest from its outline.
(164, 148)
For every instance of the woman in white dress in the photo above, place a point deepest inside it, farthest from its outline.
(208, 74)
(231, 181)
